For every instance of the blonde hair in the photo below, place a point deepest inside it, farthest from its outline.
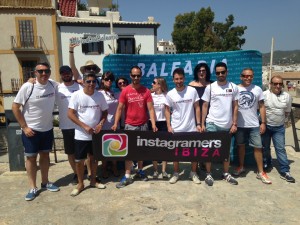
(163, 84)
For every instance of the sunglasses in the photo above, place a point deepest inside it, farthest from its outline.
(121, 83)
(154, 82)
(107, 79)
(91, 68)
(135, 76)
(47, 71)
(201, 71)
(221, 72)
(90, 81)
(276, 84)
(247, 76)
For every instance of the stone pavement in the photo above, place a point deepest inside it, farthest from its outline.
(155, 201)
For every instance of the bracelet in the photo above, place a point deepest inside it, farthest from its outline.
(263, 122)
(24, 126)
(71, 51)
(198, 124)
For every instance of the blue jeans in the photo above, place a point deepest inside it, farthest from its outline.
(278, 137)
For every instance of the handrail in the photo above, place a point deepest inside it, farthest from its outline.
(296, 140)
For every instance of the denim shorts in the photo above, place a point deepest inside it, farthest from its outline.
(40, 142)
(143, 127)
(211, 127)
(69, 141)
(251, 134)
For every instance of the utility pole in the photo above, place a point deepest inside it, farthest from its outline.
(271, 61)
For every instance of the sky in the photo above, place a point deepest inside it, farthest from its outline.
(264, 18)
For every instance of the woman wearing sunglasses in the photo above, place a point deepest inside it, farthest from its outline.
(159, 91)
(112, 101)
(201, 80)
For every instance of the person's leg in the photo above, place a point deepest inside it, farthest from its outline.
(115, 168)
(69, 145)
(79, 165)
(163, 166)
(31, 169)
(44, 163)
(194, 167)
(266, 141)
(176, 167)
(259, 159)
(155, 168)
(93, 165)
(279, 145)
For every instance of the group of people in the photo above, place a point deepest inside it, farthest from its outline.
(202, 106)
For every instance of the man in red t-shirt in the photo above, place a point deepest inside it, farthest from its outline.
(136, 100)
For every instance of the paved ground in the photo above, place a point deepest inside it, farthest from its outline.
(155, 201)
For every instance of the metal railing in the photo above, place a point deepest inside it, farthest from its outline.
(296, 140)
(34, 43)
(16, 84)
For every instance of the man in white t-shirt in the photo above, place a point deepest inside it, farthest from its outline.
(88, 110)
(62, 97)
(37, 102)
(278, 106)
(184, 101)
(222, 96)
(250, 100)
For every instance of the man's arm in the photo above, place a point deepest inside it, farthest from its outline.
(75, 71)
(21, 120)
(99, 126)
(118, 116)
(168, 118)
(197, 111)
(262, 112)
(235, 109)
(204, 114)
(152, 115)
(74, 118)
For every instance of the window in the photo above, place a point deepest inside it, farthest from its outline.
(28, 67)
(126, 45)
(92, 48)
(26, 33)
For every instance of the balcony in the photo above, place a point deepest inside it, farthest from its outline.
(34, 43)
(16, 84)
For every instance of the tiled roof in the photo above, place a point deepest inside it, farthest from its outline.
(68, 7)
(76, 20)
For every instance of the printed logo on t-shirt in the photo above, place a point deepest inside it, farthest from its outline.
(114, 145)
(246, 99)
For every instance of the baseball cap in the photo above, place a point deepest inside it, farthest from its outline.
(65, 69)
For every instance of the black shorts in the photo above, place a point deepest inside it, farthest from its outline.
(69, 141)
(161, 125)
(82, 148)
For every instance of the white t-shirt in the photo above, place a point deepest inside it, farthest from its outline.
(220, 98)
(276, 107)
(159, 101)
(89, 111)
(249, 98)
(39, 108)
(112, 102)
(62, 97)
(182, 105)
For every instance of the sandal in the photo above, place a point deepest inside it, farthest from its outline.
(76, 192)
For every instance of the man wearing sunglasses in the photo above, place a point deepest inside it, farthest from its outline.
(222, 96)
(37, 101)
(137, 102)
(88, 110)
(278, 106)
(251, 99)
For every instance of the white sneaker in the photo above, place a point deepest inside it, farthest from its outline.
(194, 177)
(174, 178)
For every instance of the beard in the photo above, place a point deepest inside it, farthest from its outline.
(67, 79)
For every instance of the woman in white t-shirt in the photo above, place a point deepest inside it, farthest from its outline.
(112, 102)
(159, 91)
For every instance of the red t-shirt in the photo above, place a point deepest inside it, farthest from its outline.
(135, 102)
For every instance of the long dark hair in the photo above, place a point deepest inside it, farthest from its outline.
(197, 68)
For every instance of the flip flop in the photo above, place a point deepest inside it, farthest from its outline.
(98, 185)
(75, 192)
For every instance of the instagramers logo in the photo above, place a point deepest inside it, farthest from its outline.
(114, 145)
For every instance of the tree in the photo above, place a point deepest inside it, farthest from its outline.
(197, 32)
(82, 6)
